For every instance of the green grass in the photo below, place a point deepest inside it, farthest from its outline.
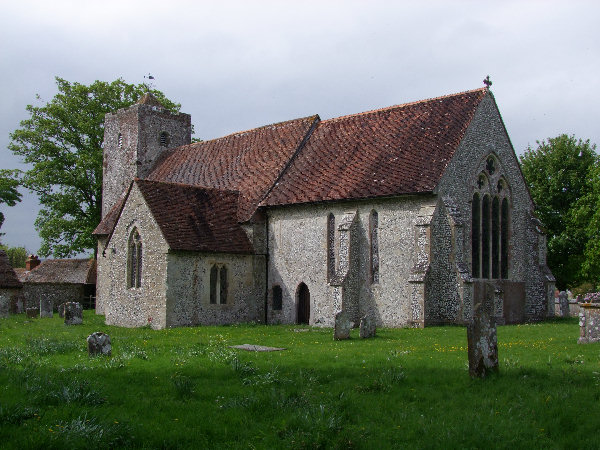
(185, 388)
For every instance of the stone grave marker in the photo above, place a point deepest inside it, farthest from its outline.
(33, 313)
(46, 308)
(99, 344)
(73, 313)
(563, 302)
(342, 326)
(481, 336)
(61, 310)
(367, 327)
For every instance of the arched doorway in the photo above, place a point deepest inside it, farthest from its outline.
(303, 301)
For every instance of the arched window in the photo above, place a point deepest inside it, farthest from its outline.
(134, 260)
(330, 246)
(476, 240)
(277, 298)
(490, 222)
(373, 233)
(218, 285)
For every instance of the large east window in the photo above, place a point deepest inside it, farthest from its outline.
(490, 223)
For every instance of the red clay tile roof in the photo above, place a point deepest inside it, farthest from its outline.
(248, 162)
(196, 219)
(398, 150)
(63, 271)
(8, 277)
(109, 221)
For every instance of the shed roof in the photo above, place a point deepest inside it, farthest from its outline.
(63, 271)
(196, 219)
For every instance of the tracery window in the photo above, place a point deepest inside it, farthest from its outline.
(374, 238)
(490, 222)
(134, 260)
(218, 285)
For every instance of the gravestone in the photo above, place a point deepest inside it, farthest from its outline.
(73, 313)
(367, 327)
(61, 310)
(33, 313)
(99, 344)
(4, 305)
(46, 308)
(481, 336)
(342, 327)
(563, 301)
(589, 323)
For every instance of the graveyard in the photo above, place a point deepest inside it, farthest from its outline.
(189, 388)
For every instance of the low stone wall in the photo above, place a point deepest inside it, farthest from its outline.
(574, 309)
(589, 323)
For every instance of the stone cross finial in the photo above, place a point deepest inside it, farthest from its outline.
(487, 81)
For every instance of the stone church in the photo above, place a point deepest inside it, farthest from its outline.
(409, 214)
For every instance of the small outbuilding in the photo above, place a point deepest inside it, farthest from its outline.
(60, 280)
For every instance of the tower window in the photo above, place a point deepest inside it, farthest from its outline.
(164, 139)
(120, 141)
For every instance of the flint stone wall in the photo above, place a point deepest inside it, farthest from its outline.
(298, 254)
(527, 245)
(56, 294)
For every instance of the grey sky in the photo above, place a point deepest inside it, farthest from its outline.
(237, 65)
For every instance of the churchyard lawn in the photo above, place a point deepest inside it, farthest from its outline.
(186, 388)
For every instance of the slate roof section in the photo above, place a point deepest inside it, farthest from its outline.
(8, 277)
(63, 271)
(248, 162)
(196, 219)
(398, 150)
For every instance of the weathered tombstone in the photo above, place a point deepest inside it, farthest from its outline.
(589, 323)
(342, 327)
(73, 313)
(45, 308)
(33, 313)
(367, 327)
(482, 338)
(61, 310)
(563, 301)
(99, 344)
(4, 305)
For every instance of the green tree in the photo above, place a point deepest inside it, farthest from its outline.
(559, 174)
(16, 255)
(62, 141)
(8, 191)
(586, 214)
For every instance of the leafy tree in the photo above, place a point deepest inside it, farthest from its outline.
(16, 255)
(559, 172)
(62, 140)
(587, 214)
(8, 191)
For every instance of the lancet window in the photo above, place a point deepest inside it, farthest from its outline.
(134, 260)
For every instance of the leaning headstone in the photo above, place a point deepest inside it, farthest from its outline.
(61, 310)
(99, 344)
(33, 313)
(367, 327)
(481, 336)
(342, 327)
(563, 301)
(46, 308)
(73, 313)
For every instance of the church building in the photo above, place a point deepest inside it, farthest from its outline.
(409, 214)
